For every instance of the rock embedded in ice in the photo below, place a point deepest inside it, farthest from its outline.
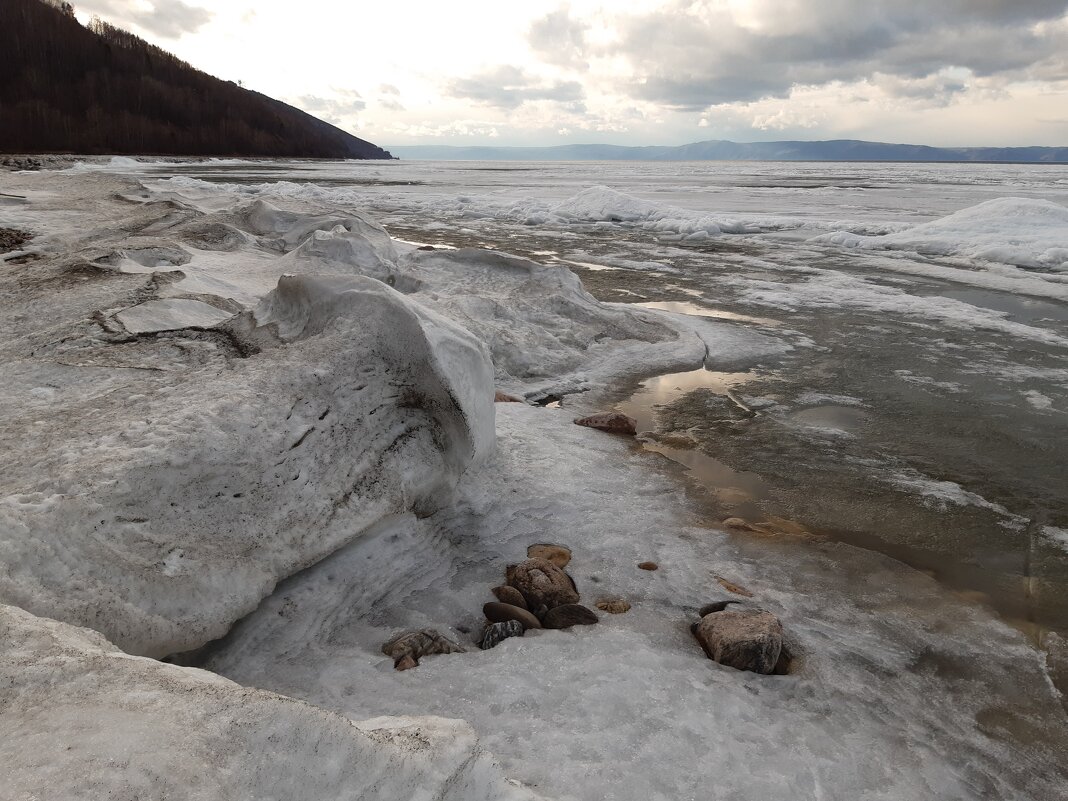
(81, 719)
(612, 422)
(567, 615)
(730, 586)
(498, 612)
(746, 639)
(510, 595)
(411, 646)
(613, 606)
(542, 583)
(495, 633)
(557, 554)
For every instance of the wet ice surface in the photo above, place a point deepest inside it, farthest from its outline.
(922, 415)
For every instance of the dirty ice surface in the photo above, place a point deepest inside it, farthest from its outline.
(893, 416)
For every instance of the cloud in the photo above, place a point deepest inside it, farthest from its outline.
(690, 55)
(388, 89)
(340, 109)
(559, 39)
(509, 87)
(169, 19)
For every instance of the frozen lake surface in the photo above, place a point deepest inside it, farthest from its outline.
(953, 457)
(894, 468)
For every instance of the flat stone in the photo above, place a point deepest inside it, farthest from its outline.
(612, 422)
(648, 566)
(510, 595)
(557, 554)
(542, 583)
(568, 615)
(501, 613)
(730, 586)
(746, 639)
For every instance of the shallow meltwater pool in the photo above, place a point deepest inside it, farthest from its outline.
(932, 447)
(738, 489)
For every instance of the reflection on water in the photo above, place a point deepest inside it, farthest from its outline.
(682, 307)
(837, 418)
(738, 490)
(1019, 307)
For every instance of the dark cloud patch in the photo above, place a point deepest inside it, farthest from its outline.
(559, 39)
(692, 55)
(168, 19)
(509, 87)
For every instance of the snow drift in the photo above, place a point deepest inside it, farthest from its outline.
(1023, 232)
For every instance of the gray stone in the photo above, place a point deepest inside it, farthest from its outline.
(496, 632)
(746, 639)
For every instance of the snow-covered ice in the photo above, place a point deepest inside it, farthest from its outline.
(1019, 231)
(215, 386)
(82, 719)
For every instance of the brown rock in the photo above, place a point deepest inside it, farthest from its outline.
(542, 583)
(746, 639)
(501, 613)
(405, 662)
(648, 566)
(613, 606)
(504, 397)
(568, 615)
(557, 554)
(510, 595)
(612, 422)
(408, 646)
(730, 586)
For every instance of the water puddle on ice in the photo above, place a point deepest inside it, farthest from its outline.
(835, 418)
(423, 245)
(685, 307)
(1018, 307)
(739, 490)
(589, 265)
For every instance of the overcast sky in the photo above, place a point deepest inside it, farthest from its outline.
(939, 72)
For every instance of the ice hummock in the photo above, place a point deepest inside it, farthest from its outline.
(83, 719)
(1024, 232)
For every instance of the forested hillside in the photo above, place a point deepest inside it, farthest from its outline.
(65, 88)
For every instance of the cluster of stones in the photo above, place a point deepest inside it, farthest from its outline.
(537, 594)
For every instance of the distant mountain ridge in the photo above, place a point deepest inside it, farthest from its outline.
(722, 150)
(65, 88)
